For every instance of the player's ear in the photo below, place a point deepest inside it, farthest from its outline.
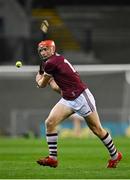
(53, 49)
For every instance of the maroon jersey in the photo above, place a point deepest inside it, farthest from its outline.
(65, 76)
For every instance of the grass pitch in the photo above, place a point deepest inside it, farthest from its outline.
(78, 159)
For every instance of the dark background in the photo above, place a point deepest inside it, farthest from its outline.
(86, 32)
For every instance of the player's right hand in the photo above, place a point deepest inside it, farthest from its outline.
(38, 77)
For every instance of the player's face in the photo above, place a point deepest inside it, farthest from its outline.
(46, 52)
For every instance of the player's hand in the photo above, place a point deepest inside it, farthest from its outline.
(38, 77)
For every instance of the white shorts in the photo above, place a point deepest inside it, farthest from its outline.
(83, 105)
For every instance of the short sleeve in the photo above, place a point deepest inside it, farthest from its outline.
(50, 68)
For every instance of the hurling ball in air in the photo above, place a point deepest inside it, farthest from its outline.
(18, 64)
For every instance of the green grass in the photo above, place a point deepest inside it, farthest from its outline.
(78, 159)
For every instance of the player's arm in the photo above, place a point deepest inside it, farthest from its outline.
(54, 86)
(42, 79)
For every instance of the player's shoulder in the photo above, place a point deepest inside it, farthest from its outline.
(56, 58)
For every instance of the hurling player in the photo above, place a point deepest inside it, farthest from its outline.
(75, 97)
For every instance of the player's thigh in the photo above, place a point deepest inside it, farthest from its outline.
(93, 120)
(59, 113)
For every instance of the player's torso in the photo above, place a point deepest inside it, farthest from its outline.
(65, 76)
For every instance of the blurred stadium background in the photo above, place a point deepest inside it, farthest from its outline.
(96, 39)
